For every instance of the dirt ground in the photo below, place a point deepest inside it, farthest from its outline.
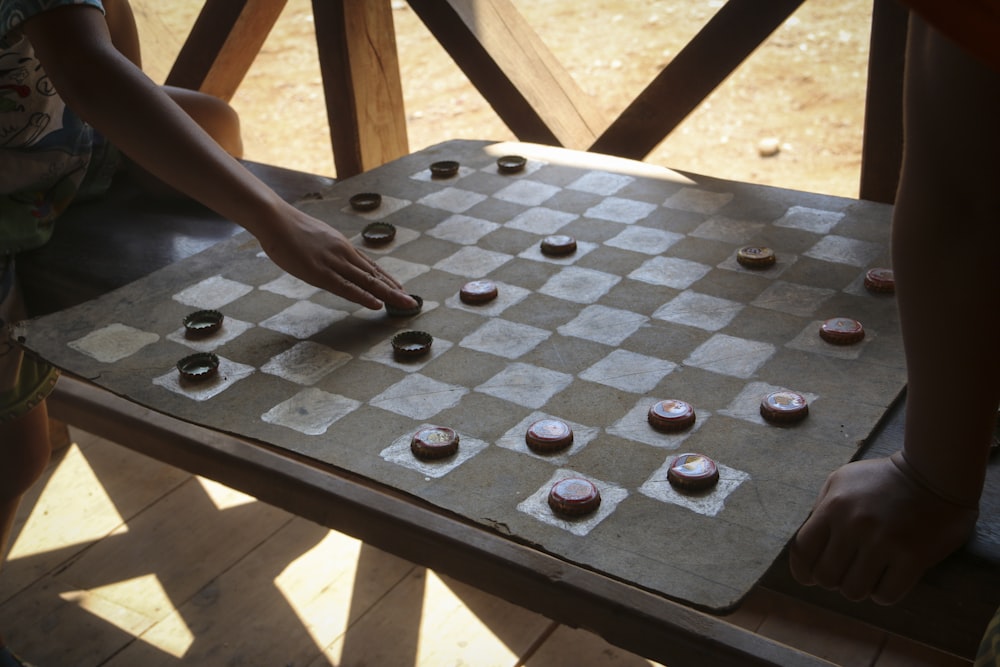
(804, 88)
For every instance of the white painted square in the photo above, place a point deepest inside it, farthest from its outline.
(382, 353)
(306, 362)
(579, 285)
(462, 229)
(229, 373)
(808, 340)
(527, 193)
(698, 201)
(534, 253)
(729, 355)
(311, 411)
(419, 397)
(699, 310)
(644, 240)
(388, 206)
(212, 293)
(541, 220)
(617, 209)
(401, 269)
(843, 250)
(231, 328)
(303, 319)
(403, 236)
(473, 262)
(537, 504)
(514, 440)
(399, 453)
(792, 298)
(505, 339)
(635, 426)
(629, 371)
(710, 502)
(670, 272)
(746, 404)
(454, 200)
(809, 219)
(113, 342)
(602, 324)
(728, 229)
(526, 385)
(507, 296)
(290, 286)
(601, 182)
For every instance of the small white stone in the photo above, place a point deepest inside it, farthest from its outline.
(768, 147)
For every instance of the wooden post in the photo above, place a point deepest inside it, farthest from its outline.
(364, 95)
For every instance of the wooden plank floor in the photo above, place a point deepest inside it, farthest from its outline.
(119, 560)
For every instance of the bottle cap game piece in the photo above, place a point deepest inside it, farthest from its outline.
(784, 407)
(444, 169)
(366, 201)
(478, 291)
(434, 442)
(842, 331)
(558, 245)
(393, 311)
(755, 257)
(200, 366)
(693, 472)
(510, 164)
(574, 496)
(671, 415)
(202, 323)
(378, 233)
(880, 281)
(548, 435)
(411, 344)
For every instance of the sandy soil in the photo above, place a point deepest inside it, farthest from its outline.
(803, 88)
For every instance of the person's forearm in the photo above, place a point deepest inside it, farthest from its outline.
(945, 239)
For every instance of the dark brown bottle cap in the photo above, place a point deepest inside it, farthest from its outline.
(880, 281)
(693, 472)
(842, 331)
(378, 233)
(200, 366)
(784, 407)
(202, 323)
(671, 415)
(393, 311)
(366, 201)
(755, 257)
(574, 496)
(510, 164)
(411, 344)
(558, 245)
(548, 435)
(444, 169)
(434, 442)
(478, 291)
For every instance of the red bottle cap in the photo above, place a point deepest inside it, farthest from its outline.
(671, 415)
(574, 497)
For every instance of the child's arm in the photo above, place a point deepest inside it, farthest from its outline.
(109, 92)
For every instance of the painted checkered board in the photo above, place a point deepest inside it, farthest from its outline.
(652, 305)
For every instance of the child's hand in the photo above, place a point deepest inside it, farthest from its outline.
(320, 255)
(874, 531)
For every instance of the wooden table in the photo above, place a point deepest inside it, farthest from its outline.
(617, 610)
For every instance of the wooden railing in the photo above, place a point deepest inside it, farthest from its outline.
(522, 80)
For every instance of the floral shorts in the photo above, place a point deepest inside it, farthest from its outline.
(24, 380)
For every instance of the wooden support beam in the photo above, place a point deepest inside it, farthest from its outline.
(882, 144)
(510, 66)
(364, 94)
(223, 44)
(735, 31)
